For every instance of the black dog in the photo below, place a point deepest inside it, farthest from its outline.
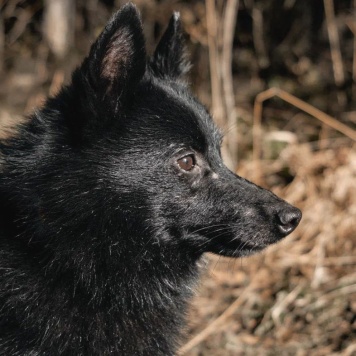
(109, 196)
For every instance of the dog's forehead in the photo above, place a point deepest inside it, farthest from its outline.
(181, 118)
(206, 124)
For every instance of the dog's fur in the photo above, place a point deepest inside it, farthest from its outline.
(109, 195)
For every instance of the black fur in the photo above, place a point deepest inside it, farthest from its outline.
(101, 226)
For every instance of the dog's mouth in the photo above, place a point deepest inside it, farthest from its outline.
(231, 243)
(240, 249)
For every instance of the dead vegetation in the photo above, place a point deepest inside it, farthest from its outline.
(298, 297)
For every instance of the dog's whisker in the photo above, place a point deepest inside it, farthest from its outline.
(208, 227)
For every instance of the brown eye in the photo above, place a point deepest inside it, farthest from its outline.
(186, 163)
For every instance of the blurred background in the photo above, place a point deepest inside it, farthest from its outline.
(279, 77)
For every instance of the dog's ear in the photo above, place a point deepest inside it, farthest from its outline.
(116, 62)
(169, 58)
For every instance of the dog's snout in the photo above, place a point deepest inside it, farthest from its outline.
(288, 219)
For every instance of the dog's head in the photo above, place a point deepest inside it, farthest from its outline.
(145, 153)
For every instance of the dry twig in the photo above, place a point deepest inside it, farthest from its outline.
(220, 70)
(230, 16)
(59, 25)
(336, 57)
(215, 75)
(334, 42)
(258, 38)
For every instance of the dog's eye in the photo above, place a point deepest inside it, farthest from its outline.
(186, 163)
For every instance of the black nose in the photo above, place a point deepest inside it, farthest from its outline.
(288, 219)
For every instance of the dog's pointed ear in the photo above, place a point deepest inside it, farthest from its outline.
(169, 58)
(116, 62)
